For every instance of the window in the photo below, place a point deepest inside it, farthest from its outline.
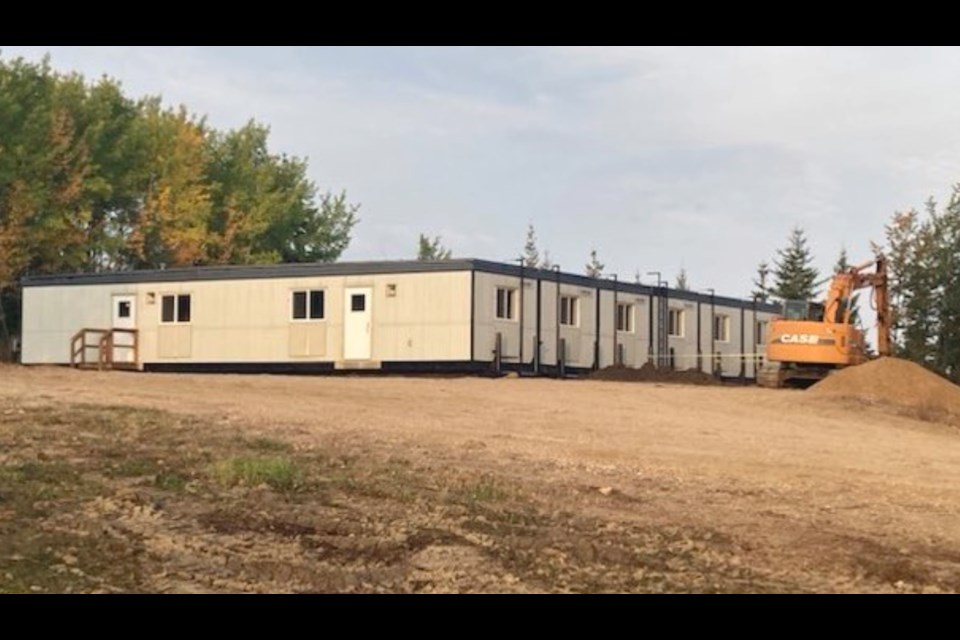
(625, 317)
(167, 307)
(505, 306)
(308, 305)
(675, 321)
(123, 309)
(175, 308)
(183, 308)
(316, 304)
(358, 302)
(299, 305)
(721, 328)
(569, 311)
(761, 331)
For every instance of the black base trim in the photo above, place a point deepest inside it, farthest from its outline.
(240, 367)
(464, 367)
(435, 366)
(442, 367)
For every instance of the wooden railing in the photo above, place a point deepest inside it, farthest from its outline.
(106, 346)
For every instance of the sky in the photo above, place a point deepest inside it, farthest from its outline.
(661, 159)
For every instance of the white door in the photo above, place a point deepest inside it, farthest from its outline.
(356, 323)
(124, 317)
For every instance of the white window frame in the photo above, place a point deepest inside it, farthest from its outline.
(176, 308)
(511, 304)
(309, 304)
(723, 335)
(570, 306)
(680, 324)
(628, 316)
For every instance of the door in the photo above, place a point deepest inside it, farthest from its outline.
(356, 323)
(124, 317)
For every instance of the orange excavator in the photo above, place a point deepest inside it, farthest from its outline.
(811, 340)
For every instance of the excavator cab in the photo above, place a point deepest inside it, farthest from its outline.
(803, 310)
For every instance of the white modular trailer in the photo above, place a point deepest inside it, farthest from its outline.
(452, 315)
(582, 323)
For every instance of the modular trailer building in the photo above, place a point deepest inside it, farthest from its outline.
(452, 315)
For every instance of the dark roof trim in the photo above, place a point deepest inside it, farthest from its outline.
(318, 269)
(621, 286)
(248, 272)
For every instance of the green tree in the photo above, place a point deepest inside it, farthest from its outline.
(171, 225)
(546, 263)
(843, 264)
(431, 249)
(264, 207)
(794, 277)
(91, 179)
(594, 268)
(761, 288)
(682, 284)
(901, 242)
(531, 255)
(946, 293)
(913, 251)
(923, 264)
(107, 120)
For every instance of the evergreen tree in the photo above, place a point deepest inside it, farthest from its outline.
(682, 281)
(594, 268)
(915, 270)
(794, 277)
(943, 282)
(901, 234)
(761, 290)
(531, 255)
(843, 264)
(546, 263)
(431, 249)
(843, 261)
(923, 258)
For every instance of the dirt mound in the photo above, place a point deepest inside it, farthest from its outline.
(650, 373)
(901, 384)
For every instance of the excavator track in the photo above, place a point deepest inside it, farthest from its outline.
(770, 376)
(775, 375)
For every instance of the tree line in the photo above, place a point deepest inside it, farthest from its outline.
(92, 179)
(923, 255)
(531, 258)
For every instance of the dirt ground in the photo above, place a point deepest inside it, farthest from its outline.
(213, 483)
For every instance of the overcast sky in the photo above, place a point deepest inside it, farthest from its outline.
(660, 158)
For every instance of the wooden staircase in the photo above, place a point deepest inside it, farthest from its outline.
(105, 344)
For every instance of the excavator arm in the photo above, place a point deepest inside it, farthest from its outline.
(838, 308)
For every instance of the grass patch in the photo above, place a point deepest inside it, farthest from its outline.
(277, 473)
(136, 468)
(170, 481)
(30, 488)
(486, 489)
(33, 560)
(50, 473)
